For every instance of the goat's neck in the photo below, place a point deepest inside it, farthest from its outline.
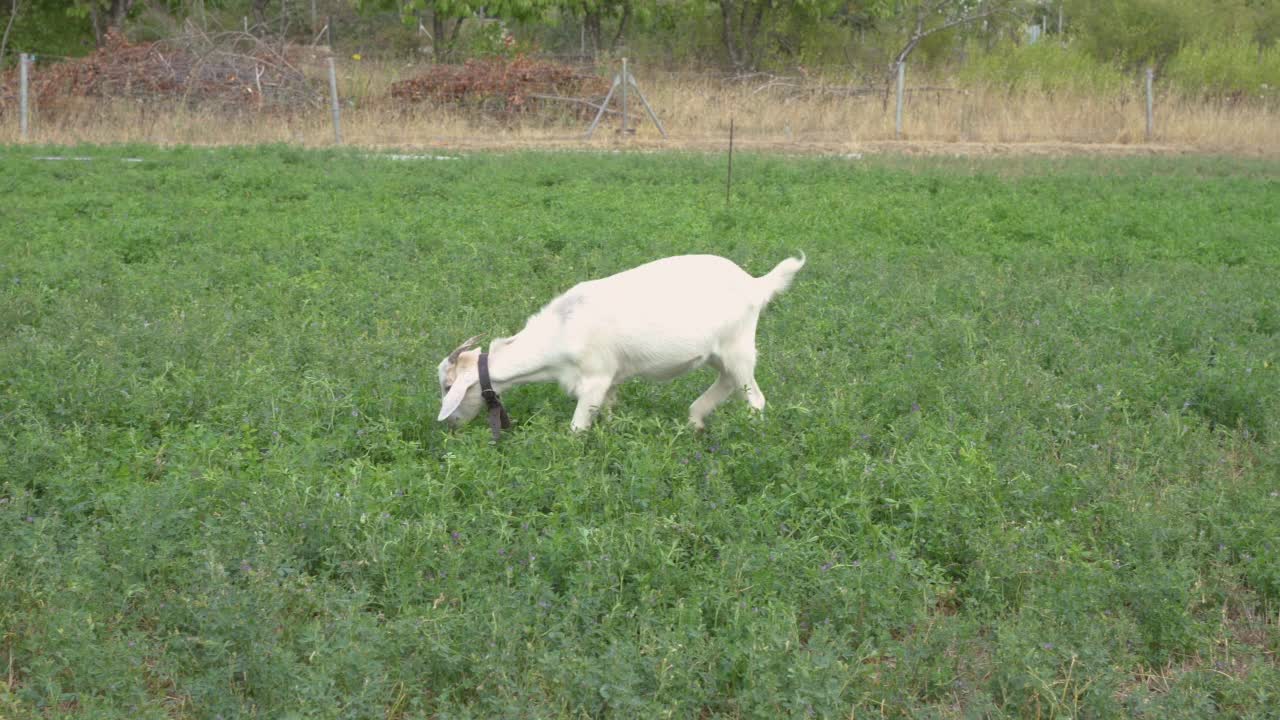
(520, 361)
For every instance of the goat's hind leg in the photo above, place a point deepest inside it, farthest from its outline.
(708, 401)
(741, 366)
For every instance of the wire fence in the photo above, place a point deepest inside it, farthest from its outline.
(235, 86)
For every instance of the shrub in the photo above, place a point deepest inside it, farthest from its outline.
(1231, 66)
(1045, 66)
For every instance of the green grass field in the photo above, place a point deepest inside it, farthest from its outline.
(1020, 457)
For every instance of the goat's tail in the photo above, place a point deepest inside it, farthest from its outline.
(779, 278)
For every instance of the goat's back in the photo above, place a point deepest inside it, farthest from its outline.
(675, 304)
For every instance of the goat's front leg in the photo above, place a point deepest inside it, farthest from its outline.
(591, 396)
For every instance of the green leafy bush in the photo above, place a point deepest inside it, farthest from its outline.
(1233, 66)
(1045, 66)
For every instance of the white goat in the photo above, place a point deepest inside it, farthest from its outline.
(659, 320)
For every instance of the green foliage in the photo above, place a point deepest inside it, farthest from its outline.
(1049, 67)
(1020, 449)
(1152, 31)
(1226, 67)
(1133, 32)
(46, 27)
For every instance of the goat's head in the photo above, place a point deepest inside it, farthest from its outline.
(460, 384)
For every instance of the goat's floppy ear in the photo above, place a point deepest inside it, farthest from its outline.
(471, 343)
(459, 390)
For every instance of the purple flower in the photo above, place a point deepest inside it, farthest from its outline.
(455, 535)
(1047, 646)
(915, 407)
(826, 567)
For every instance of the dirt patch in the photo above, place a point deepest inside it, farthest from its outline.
(851, 150)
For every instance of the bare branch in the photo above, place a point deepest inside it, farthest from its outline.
(13, 14)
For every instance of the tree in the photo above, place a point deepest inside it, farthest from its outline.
(928, 17)
(8, 28)
(749, 28)
(595, 12)
(740, 31)
(106, 15)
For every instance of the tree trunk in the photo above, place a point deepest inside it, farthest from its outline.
(444, 33)
(741, 21)
(4, 42)
(728, 35)
(119, 12)
(95, 19)
(260, 13)
(591, 21)
(622, 25)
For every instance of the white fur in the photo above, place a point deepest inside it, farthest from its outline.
(659, 320)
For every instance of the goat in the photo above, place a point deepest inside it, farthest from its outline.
(659, 321)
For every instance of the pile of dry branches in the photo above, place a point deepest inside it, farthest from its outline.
(500, 86)
(232, 71)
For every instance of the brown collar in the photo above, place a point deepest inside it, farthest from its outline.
(498, 418)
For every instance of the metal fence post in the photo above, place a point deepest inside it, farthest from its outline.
(902, 79)
(23, 109)
(624, 96)
(333, 99)
(1151, 125)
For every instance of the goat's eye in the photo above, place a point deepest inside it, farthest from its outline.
(446, 389)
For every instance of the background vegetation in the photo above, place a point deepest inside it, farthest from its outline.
(1221, 47)
(1019, 459)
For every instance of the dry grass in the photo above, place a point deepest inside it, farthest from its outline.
(696, 109)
